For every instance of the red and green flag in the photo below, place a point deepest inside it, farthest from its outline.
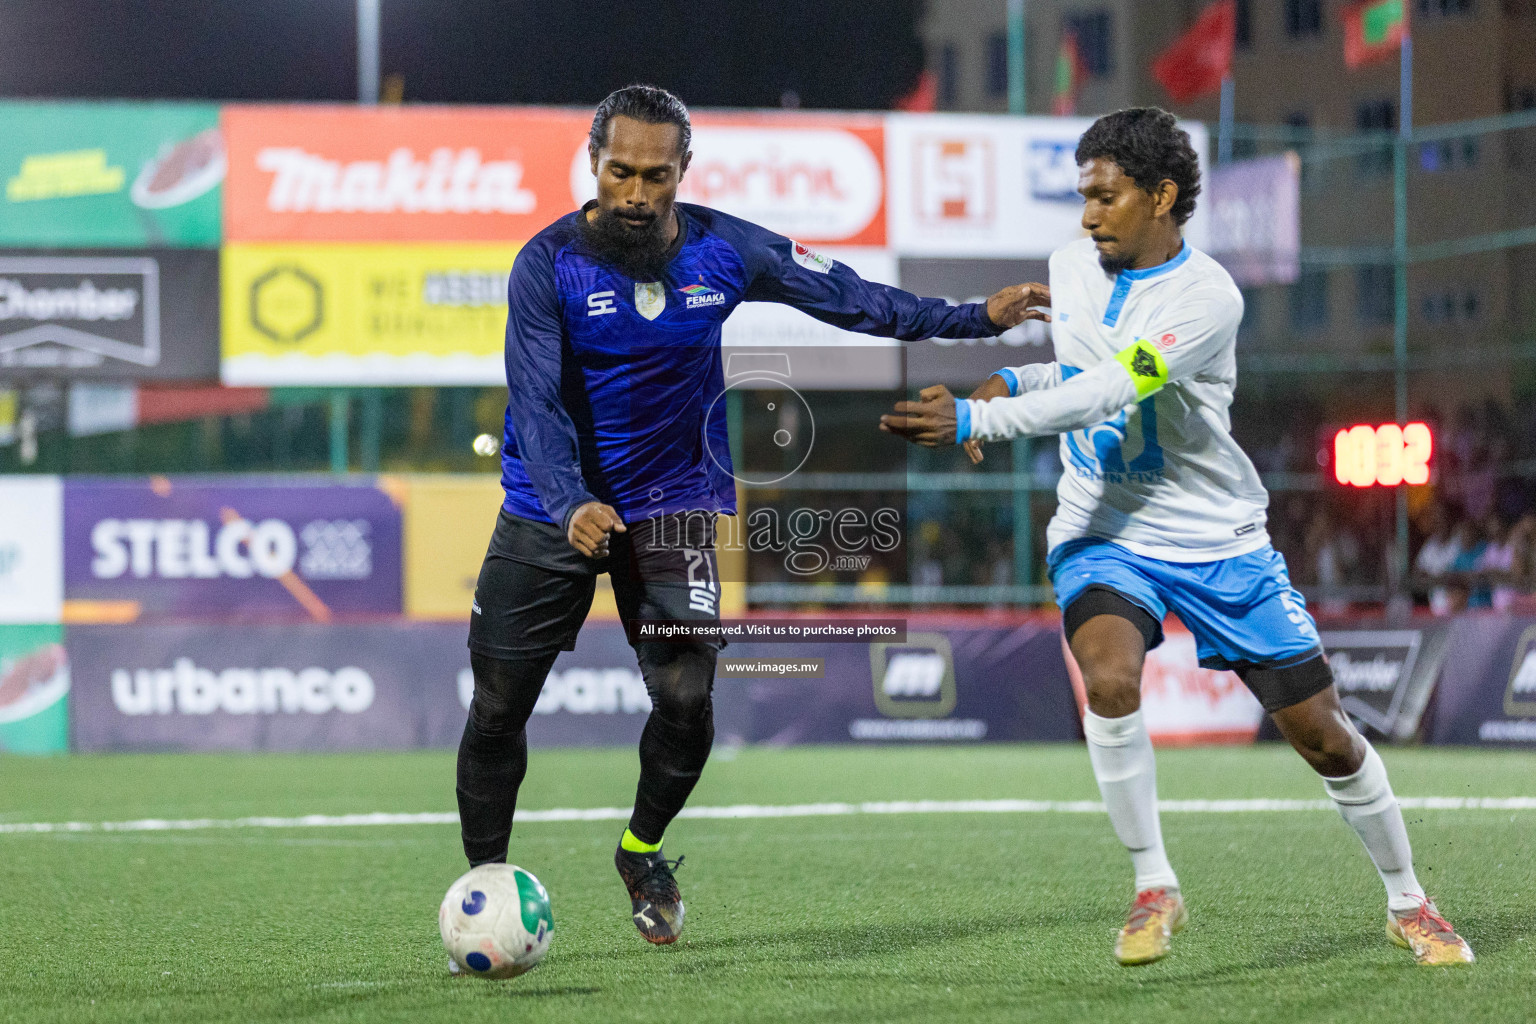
(1374, 30)
(1069, 76)
(1196, 62)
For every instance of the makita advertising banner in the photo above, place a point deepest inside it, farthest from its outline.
(110, 174)
(401, 685)
(444, 174)
(247, 547)
(1487, 689)
(108, 314)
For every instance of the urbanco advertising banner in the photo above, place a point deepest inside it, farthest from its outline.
(948, 681)
(1487, 688)
(334, 173)
(966, 185)
(336, 687)
(34, 689)
(108, 314)
(31, 549)
(354, 314)
(110, 174)
(208, 548)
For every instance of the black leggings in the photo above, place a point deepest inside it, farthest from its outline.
(493, 753)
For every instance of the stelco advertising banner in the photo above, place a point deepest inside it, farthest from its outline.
(110, 174)
(979, 185)
(107, 314)
(230, 548)
(347, 313)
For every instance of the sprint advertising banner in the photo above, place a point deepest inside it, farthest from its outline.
(358, 314)
(110, 174)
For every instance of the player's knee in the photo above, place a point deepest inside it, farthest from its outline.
(680, 678)
(1113, 685)
(1334, 751)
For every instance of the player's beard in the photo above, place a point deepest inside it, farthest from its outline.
(1115, 263)
(639, 252)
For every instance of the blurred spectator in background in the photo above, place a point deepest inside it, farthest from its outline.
(1433, 563)
(1331, 556)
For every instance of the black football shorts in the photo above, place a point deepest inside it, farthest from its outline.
(535, 590)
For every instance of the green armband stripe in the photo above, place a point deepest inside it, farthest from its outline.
(1145, 364)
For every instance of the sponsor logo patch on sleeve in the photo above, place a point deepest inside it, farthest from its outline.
(812, 260)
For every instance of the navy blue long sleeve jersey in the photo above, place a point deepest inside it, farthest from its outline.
(614, 384)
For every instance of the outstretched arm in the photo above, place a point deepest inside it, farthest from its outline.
(787, 272)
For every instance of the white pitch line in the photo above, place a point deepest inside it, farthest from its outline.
(825, 810)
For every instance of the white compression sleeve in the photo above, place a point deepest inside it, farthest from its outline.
(1121, 752)
(1366, 802)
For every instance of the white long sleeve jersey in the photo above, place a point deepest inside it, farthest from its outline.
(1140, 394)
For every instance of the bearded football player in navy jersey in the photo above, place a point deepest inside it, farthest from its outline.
(613, 368)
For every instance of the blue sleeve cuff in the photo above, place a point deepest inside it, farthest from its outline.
(962, 420)
(1012, 379)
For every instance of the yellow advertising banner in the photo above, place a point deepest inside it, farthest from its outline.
(352, 314)
(448, 520)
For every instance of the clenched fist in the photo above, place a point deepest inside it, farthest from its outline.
(591, 526)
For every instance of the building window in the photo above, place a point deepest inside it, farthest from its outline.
(1376, 292)
(949, 76)
(1309, 300)
(1301, 141)
(1449, 154)
(1243, 34)
(1444, 8)
(1376, 116)
(1093, 41)
(1450, 306)
(997, 64)
(1303, 18)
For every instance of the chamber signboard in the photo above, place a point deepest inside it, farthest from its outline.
(106, 314)
(110, 174)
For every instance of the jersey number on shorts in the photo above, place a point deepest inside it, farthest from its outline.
(1099, 449)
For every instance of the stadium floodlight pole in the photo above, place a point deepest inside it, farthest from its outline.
(368, 52)
(1400, 282)
(1016, 81)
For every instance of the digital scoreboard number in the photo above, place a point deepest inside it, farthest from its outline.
(1384, 456)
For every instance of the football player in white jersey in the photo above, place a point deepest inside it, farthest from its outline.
(1159, 510)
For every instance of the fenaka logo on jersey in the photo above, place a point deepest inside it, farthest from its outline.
(915, 679)
(954, 183)
(702, 294)
(1520, 696)
(650, 299)
(812, 260)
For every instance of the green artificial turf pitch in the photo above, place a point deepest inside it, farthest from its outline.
(863, 917)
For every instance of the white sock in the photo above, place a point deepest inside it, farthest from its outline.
(1366, 801)
(1121, 752)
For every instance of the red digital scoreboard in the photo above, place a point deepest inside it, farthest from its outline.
(1382, 456)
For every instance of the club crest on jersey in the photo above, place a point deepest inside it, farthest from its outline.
(812, 260)
(650, 299)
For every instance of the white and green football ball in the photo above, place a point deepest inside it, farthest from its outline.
(495, 921)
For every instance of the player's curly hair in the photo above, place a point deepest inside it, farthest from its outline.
(1149, 146)
(646, 103)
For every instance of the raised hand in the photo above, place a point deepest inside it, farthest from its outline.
(1017, 303)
